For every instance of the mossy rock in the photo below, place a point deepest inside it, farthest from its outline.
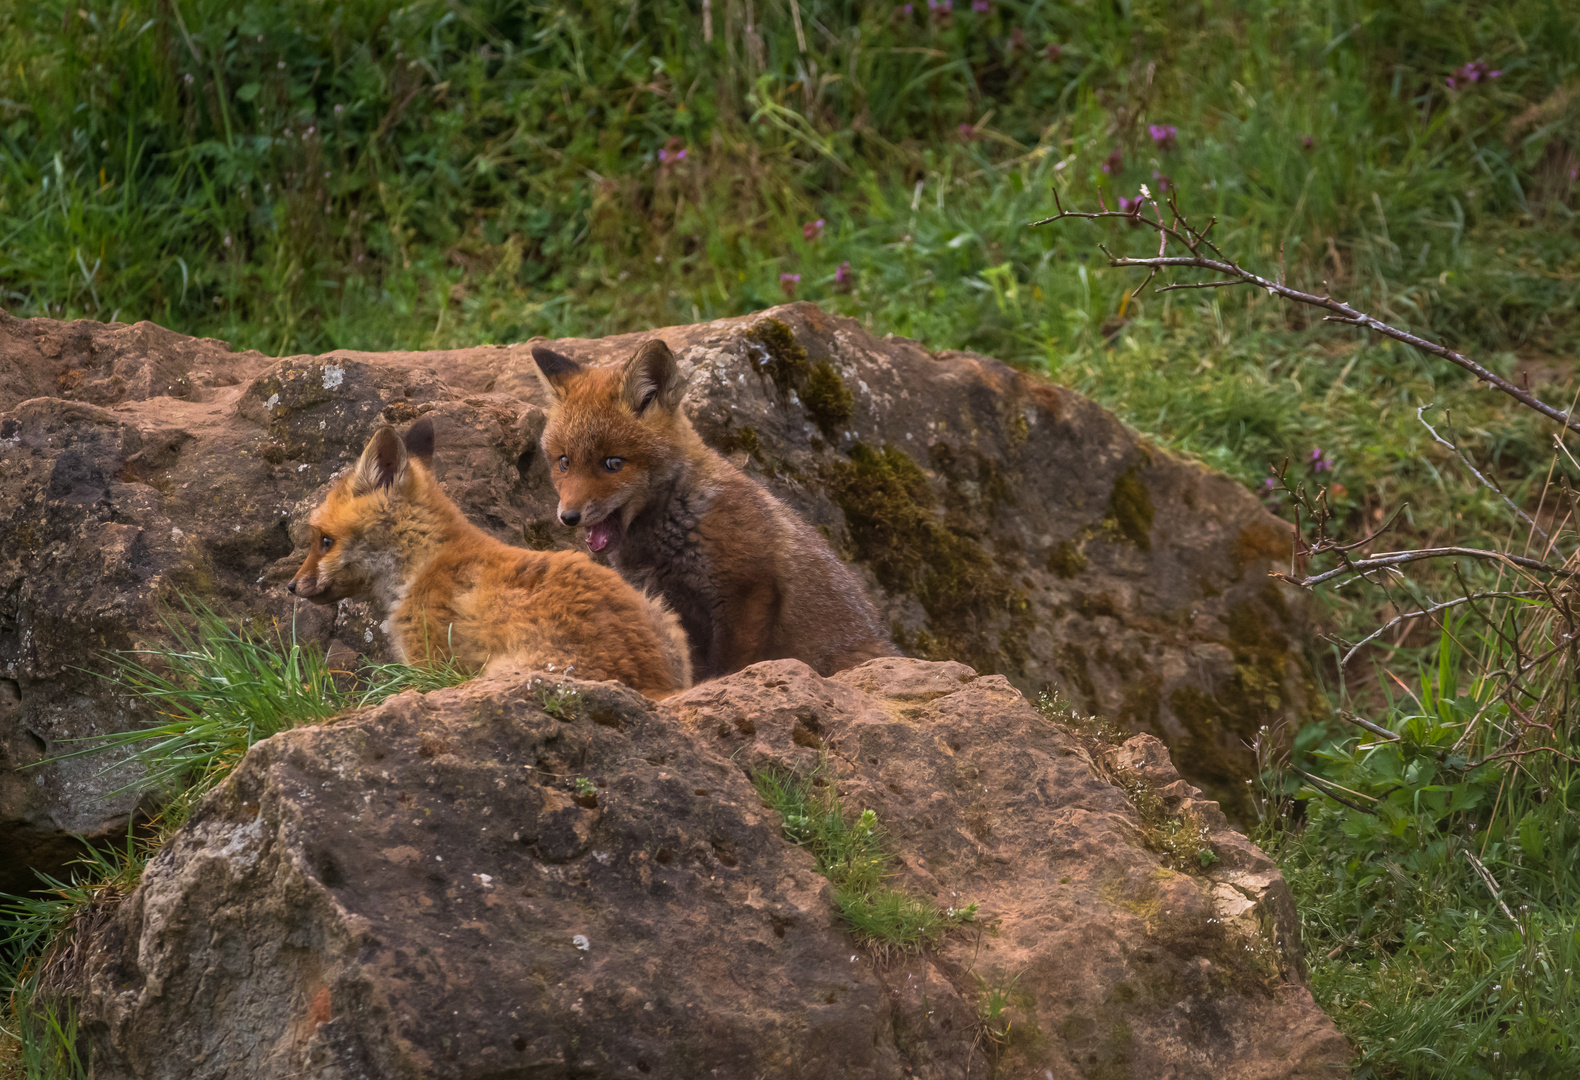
(828, 400)
(1130, 507)
(897, 529)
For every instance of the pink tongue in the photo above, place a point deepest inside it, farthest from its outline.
(599, 535)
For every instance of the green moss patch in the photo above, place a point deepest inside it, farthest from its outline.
(1066, 560)
(824, 395)
(897, 530)
(828, 400)
(741, 438)
(785, 362)
(1130, 507)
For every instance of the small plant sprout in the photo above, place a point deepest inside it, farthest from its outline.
(560, 700)
(852, 856)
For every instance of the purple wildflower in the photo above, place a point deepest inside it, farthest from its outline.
(788, 282)
(1320, 462)
(1054, 51)
(1164, 182)
(672, 153)
(981, 7)
(1307, 142)
(1163, 135)
(813, 230)
(1471, 72)
(968, 132)
(843, 274)
(1114, 162)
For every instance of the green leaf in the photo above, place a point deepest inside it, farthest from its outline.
(248, 91)
(1532, 836)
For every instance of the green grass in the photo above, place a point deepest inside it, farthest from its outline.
(1438, 896)
(41, 936)
(851, 854)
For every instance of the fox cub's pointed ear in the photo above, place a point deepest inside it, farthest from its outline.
(382, 464)
(652, 378)
(554, 371)
(419, 441)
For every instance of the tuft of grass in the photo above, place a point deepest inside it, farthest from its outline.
(217, 689)
(42, 937)
(1056, 707)
(1183, 840)
(995, 1001)
(380, 681)
(852, 856)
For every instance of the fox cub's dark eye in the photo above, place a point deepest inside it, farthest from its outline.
(564, 463)
(612, 464)
(326, 543)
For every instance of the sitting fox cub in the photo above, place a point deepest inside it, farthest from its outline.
(387, 531)
(750, 580)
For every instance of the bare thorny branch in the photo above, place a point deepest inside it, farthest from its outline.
(1204, 255)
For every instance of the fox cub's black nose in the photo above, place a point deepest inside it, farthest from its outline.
(291, 586)
(570, 517)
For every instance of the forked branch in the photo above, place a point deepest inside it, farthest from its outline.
(1200, 253)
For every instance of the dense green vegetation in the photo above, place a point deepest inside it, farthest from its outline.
(293, 176)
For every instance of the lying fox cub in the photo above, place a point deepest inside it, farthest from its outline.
(750, 580)
(386, 531)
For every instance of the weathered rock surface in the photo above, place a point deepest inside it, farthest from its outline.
(459, 885)
(1002, 521)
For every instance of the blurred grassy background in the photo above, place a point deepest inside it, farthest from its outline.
(294, 175)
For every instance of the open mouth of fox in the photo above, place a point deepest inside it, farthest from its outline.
(604, 536)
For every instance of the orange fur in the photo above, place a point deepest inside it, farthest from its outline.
(749, 579)
(448, 589)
